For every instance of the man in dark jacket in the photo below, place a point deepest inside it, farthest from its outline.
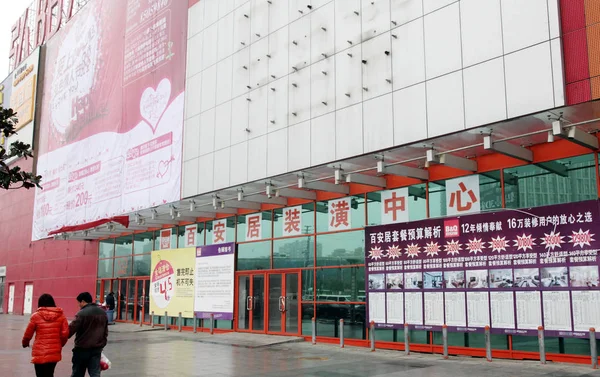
(90, 328)
(110, 301)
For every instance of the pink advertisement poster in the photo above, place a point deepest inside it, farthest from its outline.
(112, 113)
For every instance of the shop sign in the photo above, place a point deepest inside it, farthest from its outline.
(2, 271)
(340, 213)
(394, 206)
(111, 128)
(292, 221)
(191, 232)
(219, 231)
(215, 276)
(165, 238)
(462, 195)
(510, 270)
(253, 227)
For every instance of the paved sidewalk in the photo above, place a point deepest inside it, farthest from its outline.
(170, 353)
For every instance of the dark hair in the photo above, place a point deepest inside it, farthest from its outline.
(46, 301)
(85, 297)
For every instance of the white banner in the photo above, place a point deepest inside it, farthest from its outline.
(292, 221)
(219, 231)
(253, 227)
(215, 277)
(340, 214)
(394, 206)
(191, 234)
(462, 195)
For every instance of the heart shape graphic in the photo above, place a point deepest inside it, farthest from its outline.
(163, 168)
(154, 103)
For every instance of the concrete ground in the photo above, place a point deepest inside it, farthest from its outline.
(160, 353)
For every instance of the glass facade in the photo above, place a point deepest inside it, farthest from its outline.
(330, 266)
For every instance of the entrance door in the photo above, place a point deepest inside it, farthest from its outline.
(28, 303)
(142, 311)
(268, 302)
(11, 298)
(283, 303)
(251, 303)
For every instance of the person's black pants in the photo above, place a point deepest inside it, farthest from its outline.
(44, 370)
(86, 360)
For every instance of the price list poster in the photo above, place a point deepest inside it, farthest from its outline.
(512, 270)
(111, 128)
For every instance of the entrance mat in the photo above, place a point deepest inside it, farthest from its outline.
(245, 340)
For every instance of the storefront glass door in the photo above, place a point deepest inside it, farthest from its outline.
(279, 313)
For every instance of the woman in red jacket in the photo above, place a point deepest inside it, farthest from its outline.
(52, 332)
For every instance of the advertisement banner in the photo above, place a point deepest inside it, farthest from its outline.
(292, 221)
(394, 206)
(19, 92)
(340, 214)
(172, 282)
(512, 270)
(215, 271)
(191, 233)
(112, 113)
(462, 195)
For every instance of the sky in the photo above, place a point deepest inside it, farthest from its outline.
(10, 11)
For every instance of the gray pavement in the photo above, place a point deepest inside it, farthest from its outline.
(159, 354)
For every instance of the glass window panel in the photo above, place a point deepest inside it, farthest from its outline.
(141, 265)
(106, 249)
(143, 243)
(417, 205)
(265, 226)
(294, 252)
(123, 267)
(123, 246)
(307, 314)
(308, 285)
(561, 181)
(437, 199)
(105, 268)
(341, 284)
(229, 234)
(173, 239)
(182, 236)
(339, 249)
(98, 291)
(328, 316)
(490, 190)
(357, 214)
(307, 220)
(254, 256)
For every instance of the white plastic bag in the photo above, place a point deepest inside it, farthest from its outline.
(105, 364)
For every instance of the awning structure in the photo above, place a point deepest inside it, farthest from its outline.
(532, 139)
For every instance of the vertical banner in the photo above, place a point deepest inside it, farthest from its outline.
(254, 227)
(512, 270)
(191, 234)
(172, 282)
(219, 231)
(394, 206)
(112, 107)
(462, 196)
(292, 221)
(215, 272)
(165, 238)
(340, 214)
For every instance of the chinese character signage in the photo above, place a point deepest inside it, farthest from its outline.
(219, 232)
(214, 281)
(394, 206)
(111, 126)
(191, 232)
(512, 270)
(292, 221)
(462, 195)
(165, 238)
(340, 214)
(172, 281)
(253, 227)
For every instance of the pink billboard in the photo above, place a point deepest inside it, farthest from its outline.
(112, 113)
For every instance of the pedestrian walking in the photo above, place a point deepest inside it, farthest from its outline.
(110, 304)
(51, 334)
(90, 328)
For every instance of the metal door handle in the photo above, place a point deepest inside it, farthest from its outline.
(249, 303)
(281, 304)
